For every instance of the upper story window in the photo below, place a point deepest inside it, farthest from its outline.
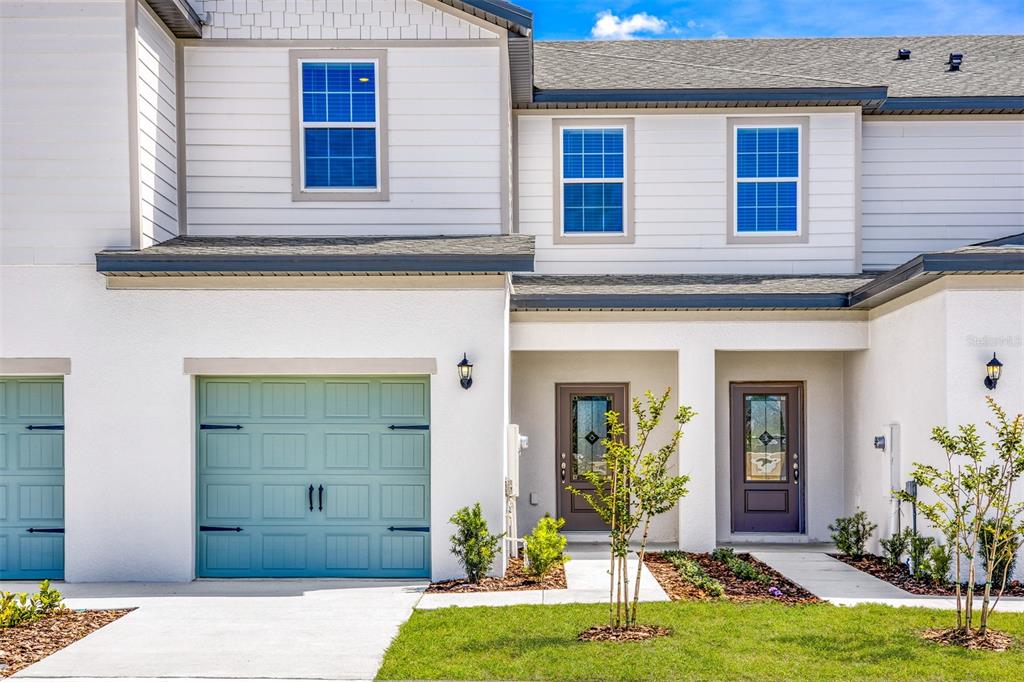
(339, 149)
(767, 168)
(593, 183)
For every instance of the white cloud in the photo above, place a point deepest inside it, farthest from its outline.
(612, 27)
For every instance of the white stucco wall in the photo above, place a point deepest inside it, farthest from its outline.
(534, 375)
(924, 369)
(822, 465)
(129, 406)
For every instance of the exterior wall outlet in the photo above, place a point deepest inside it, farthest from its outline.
(534, 499)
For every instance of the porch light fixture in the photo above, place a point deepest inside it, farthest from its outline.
(993, 370)
(465, 368)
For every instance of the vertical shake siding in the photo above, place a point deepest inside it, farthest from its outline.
(63, 131)
(444, 133)
(681, 213)
(932, 184)
(158, 169)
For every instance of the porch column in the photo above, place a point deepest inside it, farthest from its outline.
(696, 368)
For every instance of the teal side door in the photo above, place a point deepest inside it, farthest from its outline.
(313, 477)
(31, 478)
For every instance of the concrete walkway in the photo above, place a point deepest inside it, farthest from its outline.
(586, 577)
(284, 629)
(839, 583)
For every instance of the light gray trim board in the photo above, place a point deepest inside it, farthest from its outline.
(180, 127)
(628, 235)
(309, 366)
(132, 47)
(355, 43)
(731, 237)
(35, 366)
(294, 81)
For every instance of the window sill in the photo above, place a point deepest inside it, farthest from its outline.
(593, 238)
(748, 240)
(374, 195)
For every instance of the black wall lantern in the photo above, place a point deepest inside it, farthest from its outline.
(993, 370)
(465, 372)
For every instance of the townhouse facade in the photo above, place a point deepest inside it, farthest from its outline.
(287, 282)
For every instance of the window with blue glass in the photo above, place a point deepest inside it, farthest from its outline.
(339, 125)
(593, 180)
(767, 180)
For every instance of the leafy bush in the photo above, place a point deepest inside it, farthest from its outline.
(895, 547)
(473, 544)
(545, 547)
(744, 570)
(693, 573)
(920, 546)
(21, 607)
(851, 534)
(1006, 559)
(940, 560)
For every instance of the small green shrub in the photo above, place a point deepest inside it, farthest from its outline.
(693, 573)
(920, 546)
(940, 560)
(17, 608)
(851, 534)
(545, 547)
(473, 544)
(895, 547)
(1006, 558)
(744, 570)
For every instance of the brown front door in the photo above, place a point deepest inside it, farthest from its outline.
(580, 426)
(766, 443)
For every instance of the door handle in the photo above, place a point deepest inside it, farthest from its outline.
(563, 467)
(321, 498)
(796, 469)
(310, 497)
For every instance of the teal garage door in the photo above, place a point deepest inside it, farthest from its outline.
(31, 478)
(309, 476)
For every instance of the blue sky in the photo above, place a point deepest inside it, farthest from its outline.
(580, 19)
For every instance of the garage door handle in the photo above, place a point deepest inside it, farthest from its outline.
(310, 498)
(217, 427)
(410, 427)
(236, 529)
(45, 427)
(321, 491)
(45, 530)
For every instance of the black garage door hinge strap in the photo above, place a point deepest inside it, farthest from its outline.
(45, 427)
(415, 529)
(45, 530)
(216, 427)
(410, 427)
(236, 529)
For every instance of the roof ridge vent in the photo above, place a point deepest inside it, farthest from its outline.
(955, 60)
(903, 55)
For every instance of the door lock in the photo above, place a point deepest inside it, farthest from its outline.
(562, 468)
(796, 469)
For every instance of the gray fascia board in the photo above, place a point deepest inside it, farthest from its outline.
(900, 105)
(867, 96)
(107, 263)
(679, 301)
(513, 17)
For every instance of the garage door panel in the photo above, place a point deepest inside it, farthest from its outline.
(370, 513)
(223, 398)
(32, 476)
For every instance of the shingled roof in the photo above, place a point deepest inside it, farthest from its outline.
(993, 66)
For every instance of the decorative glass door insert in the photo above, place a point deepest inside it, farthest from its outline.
(766, 436)
(589, 429)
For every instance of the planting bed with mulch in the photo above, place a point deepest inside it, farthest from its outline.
(637, 633)
(516, 579)
(22, 646)
(736, 589)
(901, 577)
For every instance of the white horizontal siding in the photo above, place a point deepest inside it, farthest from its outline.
(680, 216)
(158, 136)
(930, 185)
(64, 169)
(444, 146)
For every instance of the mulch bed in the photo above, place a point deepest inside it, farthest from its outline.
(637, 633)
(900, 577)
(736, 589)
(22, 646)
(515, 580)
(992, 641)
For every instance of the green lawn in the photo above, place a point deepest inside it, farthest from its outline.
(710, 641)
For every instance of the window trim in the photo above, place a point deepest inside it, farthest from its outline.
(627, 235)
(301, 193)
(733, 236)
